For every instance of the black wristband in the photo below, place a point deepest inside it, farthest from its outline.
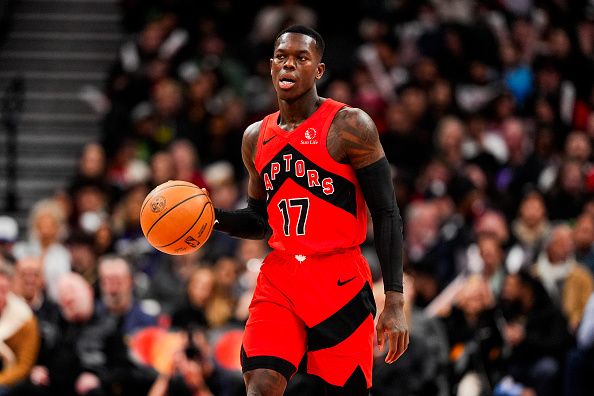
(248, 223)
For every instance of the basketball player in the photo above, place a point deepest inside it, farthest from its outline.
(312, 168)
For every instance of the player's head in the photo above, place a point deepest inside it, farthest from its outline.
(301, 29)
(297, 61)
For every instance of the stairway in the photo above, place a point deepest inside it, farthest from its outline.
(59, 47)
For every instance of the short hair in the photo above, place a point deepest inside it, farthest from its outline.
(51, 207)
(302, 29)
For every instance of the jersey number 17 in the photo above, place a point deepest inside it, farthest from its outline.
(303, 205)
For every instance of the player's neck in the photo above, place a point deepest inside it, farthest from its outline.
(292, 114)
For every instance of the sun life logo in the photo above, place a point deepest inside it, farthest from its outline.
(310, 135)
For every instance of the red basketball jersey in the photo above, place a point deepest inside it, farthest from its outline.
(314, 203)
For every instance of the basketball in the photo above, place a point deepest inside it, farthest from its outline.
(177, 217)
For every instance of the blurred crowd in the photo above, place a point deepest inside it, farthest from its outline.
(486, 112)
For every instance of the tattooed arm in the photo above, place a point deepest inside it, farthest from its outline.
(250, 222)
(353, 139)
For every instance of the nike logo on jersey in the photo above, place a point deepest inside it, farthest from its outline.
(339, 283)
(267, 140)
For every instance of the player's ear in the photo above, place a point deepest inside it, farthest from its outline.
(271, 66)
(320, 71)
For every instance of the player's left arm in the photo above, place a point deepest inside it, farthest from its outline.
(354, 139)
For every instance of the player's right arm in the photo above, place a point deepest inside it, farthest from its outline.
(250, 222)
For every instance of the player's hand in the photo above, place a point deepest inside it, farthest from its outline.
(392, 325)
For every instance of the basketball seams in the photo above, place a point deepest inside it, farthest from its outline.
(190, 228)
(157, 189)
(169, 210)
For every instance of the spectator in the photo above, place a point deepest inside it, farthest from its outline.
(191, 371)
(90, 201)
(422, 370)
(91, 171)
(87, 351)
(117, 301)
(517, 75)
(247, 283)
(129, 78)
(422, 245)
(126, 223)
(441, 99)
(535, 332)
(404, 147)
(568, 283)
(568, 195)
(83, 258)
(19, 337)
(162, 168)
(580, 365)
(379, 55)
(578, 148)
(29, 285)
(493, 222)
(168, 102)
(219, 139)
(168, 284)
(492, 256)
(199, 291)
(226, 270)
(185, 159)
(117, 295)
(583, 239)
(530, 228)
(475, 340)
(92, 162)
(482, 147)
(125, 168)
(449, 137)
(521, 169)
(47, 230)
(201, 92)
(222, 306)
(224, 193)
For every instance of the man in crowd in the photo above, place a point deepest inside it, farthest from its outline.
(19, 337)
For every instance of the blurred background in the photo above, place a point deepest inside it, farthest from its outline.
(485, 109)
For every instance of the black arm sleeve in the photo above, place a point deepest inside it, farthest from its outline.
(376, 183)
(247, 223)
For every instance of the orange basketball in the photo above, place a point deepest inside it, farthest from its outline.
(177, 217)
